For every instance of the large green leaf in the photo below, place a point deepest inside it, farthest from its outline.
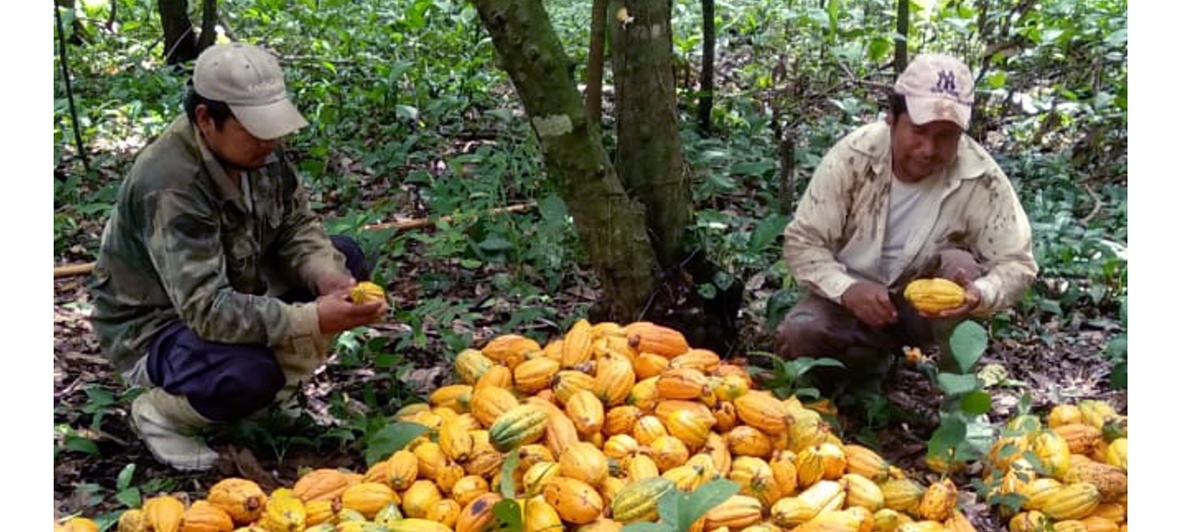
(693, 506)
(976, 403)
(508, 471)
(968, 342)
(954, 384)
(950, 434)
(391, 438)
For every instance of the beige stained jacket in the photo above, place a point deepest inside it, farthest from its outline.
(836, 236)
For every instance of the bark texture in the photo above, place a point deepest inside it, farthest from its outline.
(611, 225)
(649, 150)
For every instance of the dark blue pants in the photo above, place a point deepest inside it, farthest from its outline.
(229, 381)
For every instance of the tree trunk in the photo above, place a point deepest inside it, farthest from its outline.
(179, 40)
(595, 72)
(901, 60)
(612, 227)
(706, 67)
(649, 150)
(208, 26)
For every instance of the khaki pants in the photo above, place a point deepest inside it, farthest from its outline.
(817, 327)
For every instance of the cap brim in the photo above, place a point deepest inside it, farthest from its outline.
(270, 121)
(923, 110)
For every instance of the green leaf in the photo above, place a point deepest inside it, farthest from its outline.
(391, 438)
(968, 341)
(767, 232)
(668, 508)
(508, 483)
(977, 403)
(752, 168)
(130, 497)
(125, 476)
(801, 366)
(955, 384)
(1119, 378)
(508, 513)
(699, 502)
(495, 243)
(83, 445)
(950, 434)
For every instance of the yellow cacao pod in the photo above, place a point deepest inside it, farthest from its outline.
(1080, 437)
(242, 499)
(574, 500)
(1112, 482)
(1031, 521)
(367, 498)
(647, 337)
(1073, 501)
(541, 517)
(163, 513)
(638, 501)
(736, 512)
(934, 295)
(284, 513)
(320, 485)
(132, 520)
(939, 501)
(366, 292)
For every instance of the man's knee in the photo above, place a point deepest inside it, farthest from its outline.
(951, 261)
(804, 333)
(357, 262)
(243, 386)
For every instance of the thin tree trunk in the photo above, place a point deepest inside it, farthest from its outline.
(649, 150)
(595, 72)
(787, 157)
(706, 67)
(179, 41)
(611, 226)
(901, 59)
(208, 25)
(62, 60)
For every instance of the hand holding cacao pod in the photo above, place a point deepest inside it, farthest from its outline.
(940, 298)
(339, 311)
(366, 292)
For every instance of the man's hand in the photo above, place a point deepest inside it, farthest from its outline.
(334, 282)
(336, 313)
(970, 302)
(870, 303)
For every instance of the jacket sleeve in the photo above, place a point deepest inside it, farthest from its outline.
(1005, 245)
(302, 246)
(181, 233)
(819, 225)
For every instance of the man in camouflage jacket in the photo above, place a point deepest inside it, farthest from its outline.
(909, 197)
(216, 286)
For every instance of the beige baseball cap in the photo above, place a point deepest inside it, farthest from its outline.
(937, 87)
(249, 80)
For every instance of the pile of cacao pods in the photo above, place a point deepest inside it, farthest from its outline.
(603, 422)
(1082, 482)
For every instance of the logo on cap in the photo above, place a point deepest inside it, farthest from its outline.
(945, 84)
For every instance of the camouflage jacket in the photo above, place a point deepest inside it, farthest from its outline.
(183, 244)
(836, 235)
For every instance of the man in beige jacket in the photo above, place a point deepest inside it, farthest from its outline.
(909, 197)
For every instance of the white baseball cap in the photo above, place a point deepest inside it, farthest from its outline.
(249, 80)
(937, 87)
